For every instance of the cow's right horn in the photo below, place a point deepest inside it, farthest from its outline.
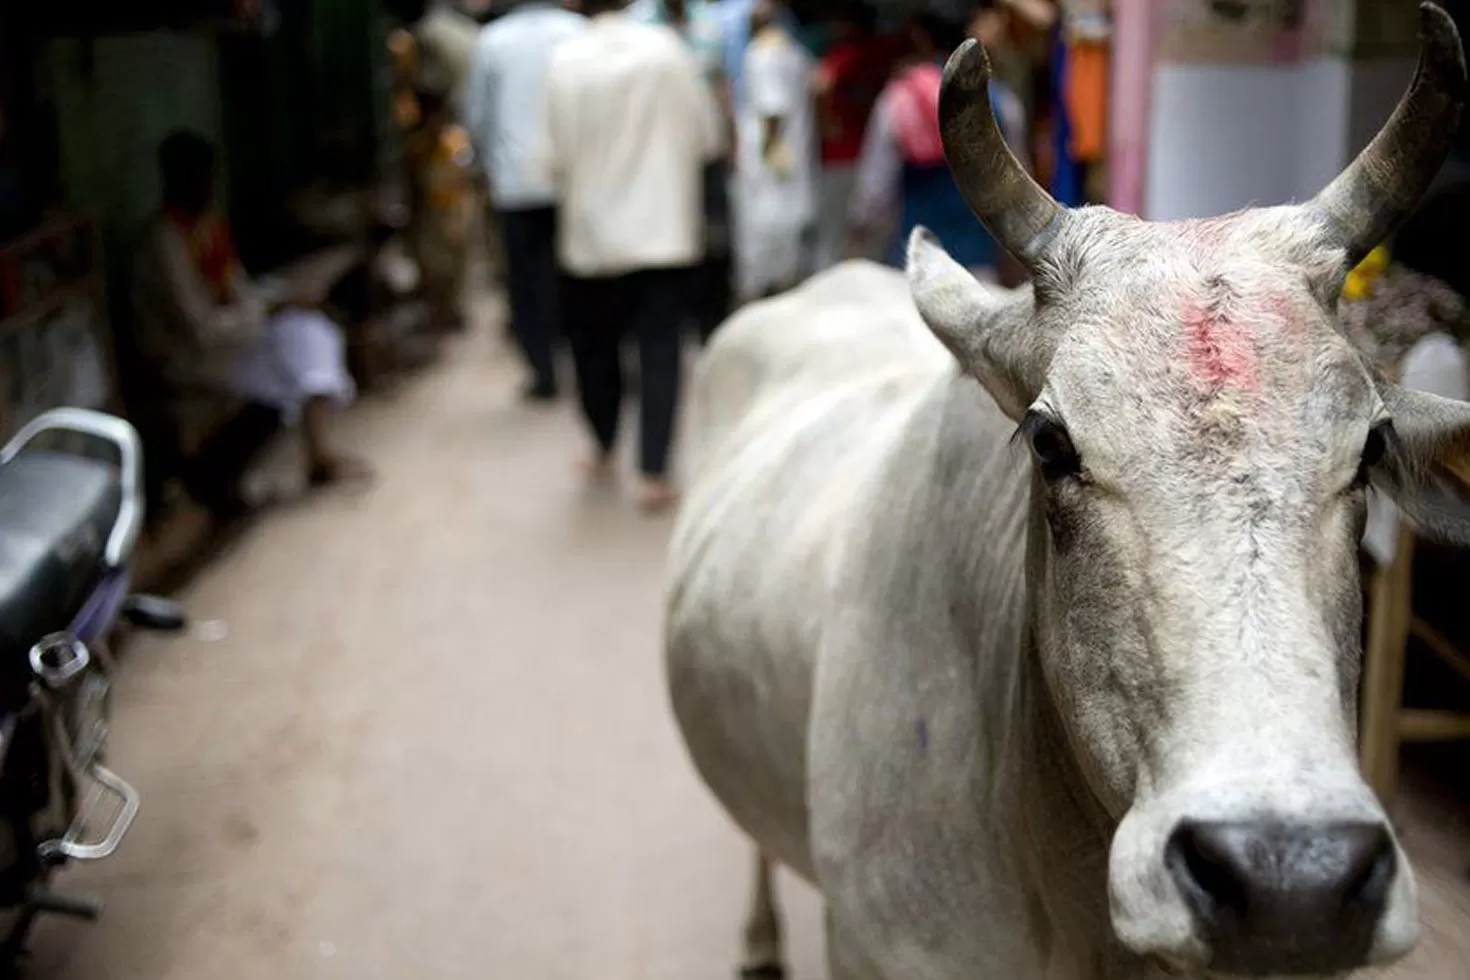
(1017, 211)
(1384, 184)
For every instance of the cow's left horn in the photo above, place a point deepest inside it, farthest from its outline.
(1384, 184)
(1016, 210)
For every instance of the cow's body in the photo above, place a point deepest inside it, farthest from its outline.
(786, 424)
(899, 509)
(1026, 625)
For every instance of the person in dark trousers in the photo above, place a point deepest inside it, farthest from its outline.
(700, 25)
(628, 128)
(503, 99)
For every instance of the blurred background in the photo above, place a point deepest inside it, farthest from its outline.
(418, 726)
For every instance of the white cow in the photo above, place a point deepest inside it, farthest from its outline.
(1090, 716)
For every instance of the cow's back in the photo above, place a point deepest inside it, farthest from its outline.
(838, 326)
(793, 401)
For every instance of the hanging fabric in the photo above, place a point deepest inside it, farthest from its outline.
(1087, 99)
(1068, 180)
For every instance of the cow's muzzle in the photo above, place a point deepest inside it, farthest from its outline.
(1283, 899)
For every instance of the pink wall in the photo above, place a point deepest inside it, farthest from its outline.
(1136, 28)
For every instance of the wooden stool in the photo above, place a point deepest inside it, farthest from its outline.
(1384, 722)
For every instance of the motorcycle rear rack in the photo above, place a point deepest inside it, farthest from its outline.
(72, 845)
(60, 661)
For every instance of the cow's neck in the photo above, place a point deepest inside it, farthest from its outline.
(1038, 791)
(1068, 830)
(943, 798)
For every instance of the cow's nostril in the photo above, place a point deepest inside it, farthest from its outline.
(1271, 897)
(1371, 864)
(1210, 868)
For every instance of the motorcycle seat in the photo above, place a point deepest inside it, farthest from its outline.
(56, 511)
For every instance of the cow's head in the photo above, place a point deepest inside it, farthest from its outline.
(1203, 439)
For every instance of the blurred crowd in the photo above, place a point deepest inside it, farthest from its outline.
(650, 166)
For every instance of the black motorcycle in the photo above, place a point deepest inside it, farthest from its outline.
(71, 510)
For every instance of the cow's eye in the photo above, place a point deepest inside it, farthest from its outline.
(1374, 448)
(1054, 451)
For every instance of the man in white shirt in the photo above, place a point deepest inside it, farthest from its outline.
(628, 127)
(503, 97)
(701, 25)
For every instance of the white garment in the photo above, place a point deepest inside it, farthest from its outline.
(300, 356)
(774, 208)
(503, 97)
(628, 126)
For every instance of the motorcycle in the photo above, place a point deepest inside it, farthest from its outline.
(71, 512)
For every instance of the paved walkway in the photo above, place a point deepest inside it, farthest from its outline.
(433, 740)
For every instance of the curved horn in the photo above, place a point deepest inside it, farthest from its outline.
(1015, 209)
(1384, 184)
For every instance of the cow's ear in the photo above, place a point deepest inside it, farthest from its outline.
(1417, 457)
(988, 330)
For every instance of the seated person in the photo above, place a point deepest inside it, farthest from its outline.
(201, 324)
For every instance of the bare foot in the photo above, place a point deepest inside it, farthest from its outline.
(656, 495)
(596, 467)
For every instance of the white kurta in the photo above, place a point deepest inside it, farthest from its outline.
(774, 207)
(300, 355)
(627, 127)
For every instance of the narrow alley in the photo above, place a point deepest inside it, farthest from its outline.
(433, 740)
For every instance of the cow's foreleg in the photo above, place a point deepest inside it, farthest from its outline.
(762, 958)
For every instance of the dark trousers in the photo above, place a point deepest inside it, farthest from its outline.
(652, 305)
(531, 281)
(712, 285)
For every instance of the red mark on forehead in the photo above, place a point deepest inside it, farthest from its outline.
(1221, 351)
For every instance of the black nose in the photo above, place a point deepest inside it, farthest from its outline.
(1278, 898)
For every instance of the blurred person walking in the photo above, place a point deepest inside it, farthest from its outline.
(902, 172)
(504, 96)
(775, 163)
(697, 22)
(201, 324)
(735, 24)
(700, 24)
(849, 78)
(628, 126)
